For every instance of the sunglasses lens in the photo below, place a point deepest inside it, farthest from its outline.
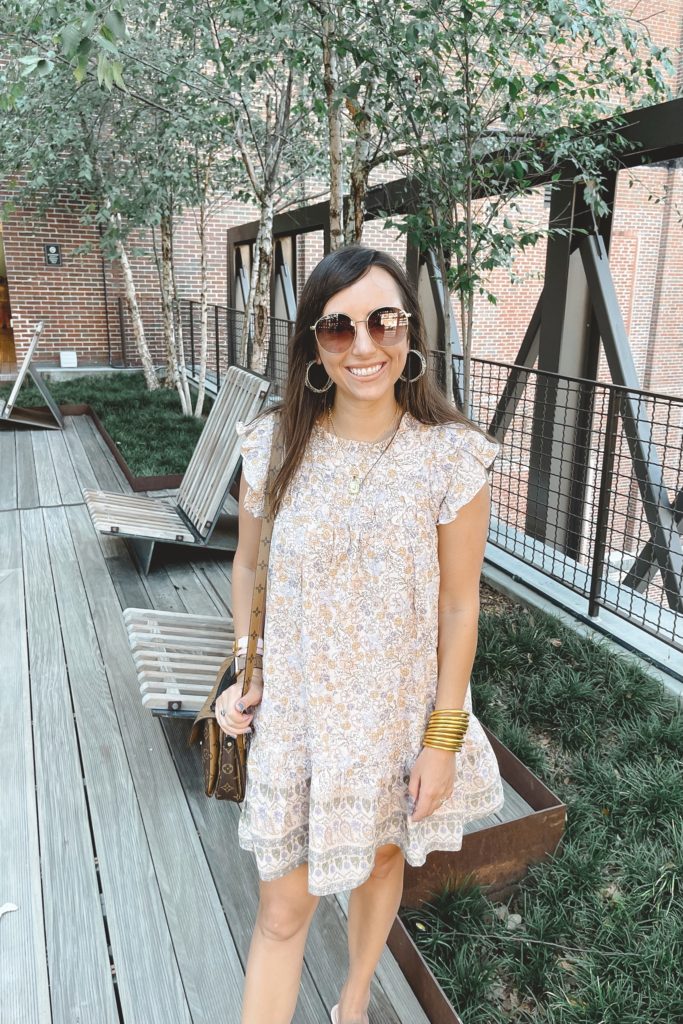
(335, 332)
(388, 325)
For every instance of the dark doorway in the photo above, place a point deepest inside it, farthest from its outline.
(8, 358)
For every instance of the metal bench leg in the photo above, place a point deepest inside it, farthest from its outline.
(143, 551)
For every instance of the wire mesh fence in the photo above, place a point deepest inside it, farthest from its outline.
(588, 487)
(227, 344)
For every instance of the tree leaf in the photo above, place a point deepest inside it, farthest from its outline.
(116, 24)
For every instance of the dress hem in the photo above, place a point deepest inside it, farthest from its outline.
(443, 846)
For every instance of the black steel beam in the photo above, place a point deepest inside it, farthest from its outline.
(666, 541)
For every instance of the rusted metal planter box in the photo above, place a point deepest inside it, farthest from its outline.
(137, 483)
(497, 858)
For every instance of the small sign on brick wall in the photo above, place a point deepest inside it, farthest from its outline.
(53, 254)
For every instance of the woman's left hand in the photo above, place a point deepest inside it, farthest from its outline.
(431, 781)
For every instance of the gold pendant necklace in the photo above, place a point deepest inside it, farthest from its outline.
(356, 482)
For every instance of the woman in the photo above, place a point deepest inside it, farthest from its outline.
(370, 626)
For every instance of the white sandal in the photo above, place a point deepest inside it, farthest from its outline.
(334, 1014)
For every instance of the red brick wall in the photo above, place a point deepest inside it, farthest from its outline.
(71, 298)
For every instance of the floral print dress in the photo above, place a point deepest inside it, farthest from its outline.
(350, 653)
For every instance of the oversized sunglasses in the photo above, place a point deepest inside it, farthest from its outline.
(335, 332)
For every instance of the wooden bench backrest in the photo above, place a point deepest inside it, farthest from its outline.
(213, 466)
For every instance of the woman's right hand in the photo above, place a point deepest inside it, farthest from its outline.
(235, 722)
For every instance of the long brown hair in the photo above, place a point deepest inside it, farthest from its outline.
(300, 406)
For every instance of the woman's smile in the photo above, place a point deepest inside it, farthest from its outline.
(366, 372)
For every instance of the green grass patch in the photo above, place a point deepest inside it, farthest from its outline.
(148, 427)
(599, 939)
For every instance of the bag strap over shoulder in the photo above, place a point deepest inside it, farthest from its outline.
(257, 602)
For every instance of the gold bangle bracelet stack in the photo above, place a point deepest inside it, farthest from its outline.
(446, 729)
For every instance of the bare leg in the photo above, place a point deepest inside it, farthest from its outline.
(372, 909)
(276, 953)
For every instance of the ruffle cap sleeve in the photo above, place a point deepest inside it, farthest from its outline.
(257, 437)
(465, 456)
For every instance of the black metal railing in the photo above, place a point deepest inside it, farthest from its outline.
(578, 499)
(571, 496)
(225, 333)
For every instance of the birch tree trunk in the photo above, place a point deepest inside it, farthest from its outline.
(180, 343)
(261, 303)
(447, 324)
(360, 169)
(449, 217)
(360, 172)
(331, 84)
(151, 379)
(249, 309)
(277, 119)
(258, 303)
(172, 368)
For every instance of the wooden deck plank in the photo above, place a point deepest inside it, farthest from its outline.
(130, 589)
(191, 586)
(24, 989)
(224, 566)
(215, 581)
(8, 470)
(67, 481)
(176, 583)
(109, 476)
(120, 476)
(27, 483)
(155, 590)
(161, 590)
(195, 917)
(46, 477)
(79, 968)
(142, 948)
(85, 474)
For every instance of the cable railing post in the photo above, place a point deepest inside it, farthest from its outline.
(603, 505)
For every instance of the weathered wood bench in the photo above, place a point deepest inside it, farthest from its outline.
(192, 519)
(177, 656)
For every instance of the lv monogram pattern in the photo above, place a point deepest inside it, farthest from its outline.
(350, 654)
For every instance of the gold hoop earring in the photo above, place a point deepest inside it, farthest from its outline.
(311, 387)
(423, 368)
